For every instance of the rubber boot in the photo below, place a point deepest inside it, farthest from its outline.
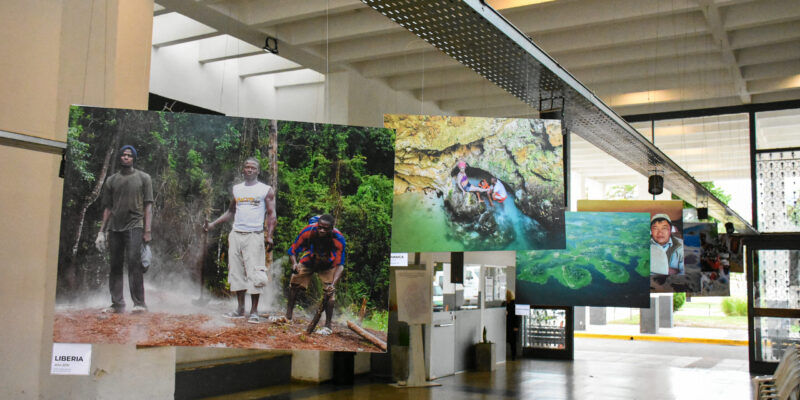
(293, 290)
(329, 313)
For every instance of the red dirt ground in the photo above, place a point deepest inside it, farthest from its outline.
(164, 329)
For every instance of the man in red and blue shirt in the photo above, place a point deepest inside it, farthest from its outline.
(321, 250)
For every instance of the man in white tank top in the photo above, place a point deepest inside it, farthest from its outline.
(252, 210)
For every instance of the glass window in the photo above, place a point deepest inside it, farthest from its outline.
(712, 149)
(778, 283)
(544, 328)
(472, 286)
(778, 191)
(773, 335)
(777, 129)
(645, 128)
(495, 286)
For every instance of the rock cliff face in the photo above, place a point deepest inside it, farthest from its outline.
(526, 155)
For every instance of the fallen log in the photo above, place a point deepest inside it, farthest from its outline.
(366, 335)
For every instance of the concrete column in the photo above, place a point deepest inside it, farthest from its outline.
(665, 310)
(597, 315)
(648, 317)
(580, 318)
(60, 53)
(312, 365)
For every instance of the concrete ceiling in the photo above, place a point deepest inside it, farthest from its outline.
(638, 56)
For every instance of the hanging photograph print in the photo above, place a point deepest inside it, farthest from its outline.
(706, 261)
(477, 184)
(667, 267)
(606, 263)
(204, 230)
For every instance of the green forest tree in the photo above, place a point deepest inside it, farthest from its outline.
(194, 161)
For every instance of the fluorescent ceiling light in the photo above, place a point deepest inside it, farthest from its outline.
(645, 97)
(504, 4)
(791, 82)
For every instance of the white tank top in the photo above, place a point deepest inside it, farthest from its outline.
(250, 207)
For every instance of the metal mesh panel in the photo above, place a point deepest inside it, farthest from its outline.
(479, 38)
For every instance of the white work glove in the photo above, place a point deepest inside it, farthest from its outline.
(100, 242)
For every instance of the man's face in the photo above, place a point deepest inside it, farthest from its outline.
(660, 231)
(250, 169)
(126, 158)
(324, 228)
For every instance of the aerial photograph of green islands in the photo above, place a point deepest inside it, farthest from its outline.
(606, 263)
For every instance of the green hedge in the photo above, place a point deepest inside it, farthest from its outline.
(678, 299)
(734, 306)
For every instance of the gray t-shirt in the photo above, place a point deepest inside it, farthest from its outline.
(125, 196)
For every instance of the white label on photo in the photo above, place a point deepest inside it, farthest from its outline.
(71, 359)
(399, 260)
(522, 309)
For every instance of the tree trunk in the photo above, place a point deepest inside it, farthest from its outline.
(273, 168)
(273, 154)
(71, 273)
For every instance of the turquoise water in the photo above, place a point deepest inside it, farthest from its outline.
(420, 224)
(525, 228)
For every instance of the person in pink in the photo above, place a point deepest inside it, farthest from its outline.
(463, 183)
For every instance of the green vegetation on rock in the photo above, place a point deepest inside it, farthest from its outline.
(613, 244)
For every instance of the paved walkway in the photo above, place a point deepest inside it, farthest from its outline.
(733, 337)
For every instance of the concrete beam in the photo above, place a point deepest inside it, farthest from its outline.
(266, 64)
(715, 24)
(438, 77)
(355, 24)
(298, 78)
(267, 13)
(762, 35)
(232, 26)
(406, 64)
(481, 102)
(771, 70)
(173, 28)
(223, 48)
(768, 54)
(757, 13)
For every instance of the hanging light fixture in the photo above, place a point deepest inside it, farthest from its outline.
(729, 228)
(271, 45)
(702, 212)
(655, 184)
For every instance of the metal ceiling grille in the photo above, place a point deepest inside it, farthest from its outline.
(478, 37)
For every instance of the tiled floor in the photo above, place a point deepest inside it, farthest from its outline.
(602, 369)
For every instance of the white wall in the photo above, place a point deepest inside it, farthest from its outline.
(176, 73)
(344, 97)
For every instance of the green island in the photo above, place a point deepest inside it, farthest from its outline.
(613, 244)
(613, 272)
(571, 276)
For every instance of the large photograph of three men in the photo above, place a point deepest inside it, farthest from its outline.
(204, 230)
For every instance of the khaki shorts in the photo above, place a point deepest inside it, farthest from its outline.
(304, 273)
(245, 253)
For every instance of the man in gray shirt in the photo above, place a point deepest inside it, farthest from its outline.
(127, 218)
